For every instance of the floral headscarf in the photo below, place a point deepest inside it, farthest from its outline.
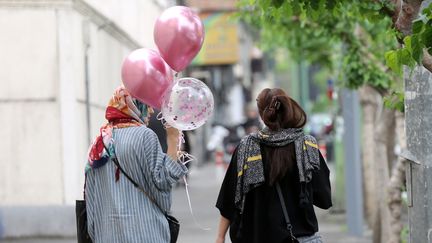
(123, 111)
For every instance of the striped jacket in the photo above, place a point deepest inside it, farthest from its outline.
(118, 212)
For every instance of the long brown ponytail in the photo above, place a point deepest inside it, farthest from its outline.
(278, 111)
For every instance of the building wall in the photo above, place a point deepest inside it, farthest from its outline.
(211, 5)
(137, 17)
(29, 108)
(44, 46)
(54, 54)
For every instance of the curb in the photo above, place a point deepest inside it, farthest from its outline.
(37, 221)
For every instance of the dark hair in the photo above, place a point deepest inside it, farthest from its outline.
(278, 111)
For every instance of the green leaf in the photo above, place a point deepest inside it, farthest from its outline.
(417, 49)
(277, 3)
(315, 4)
(428, 11)
(265, 4)
(393, 61)
(405, 58)
(417, 26)
(286, 10)
(330, 4)
(426, 36)
(372, 15)
(407, 43)
(395, 101)
(387, 102)
(296, 8)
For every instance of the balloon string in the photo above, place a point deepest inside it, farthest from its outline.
(190, 206)
(161, 118)
(181, 140)
(185, 158)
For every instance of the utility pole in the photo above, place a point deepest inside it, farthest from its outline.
(418, 128)
(303, 76)
(418, 120)
(353, 176)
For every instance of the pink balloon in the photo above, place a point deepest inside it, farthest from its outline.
(179, 35)
(146, 76)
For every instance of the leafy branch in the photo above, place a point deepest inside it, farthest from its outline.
(417, 41)
(316, 31)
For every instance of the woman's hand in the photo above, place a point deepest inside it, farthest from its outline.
(172, 141)
(172, 133)
(223, 227)
(220, 240)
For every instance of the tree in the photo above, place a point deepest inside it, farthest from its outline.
(365, 35)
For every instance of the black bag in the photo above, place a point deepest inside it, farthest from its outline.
(82, 231)
(174, 227)
(81, 222)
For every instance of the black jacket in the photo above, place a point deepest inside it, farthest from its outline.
(262, 220)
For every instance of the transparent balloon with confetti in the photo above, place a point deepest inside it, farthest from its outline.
(188, 104)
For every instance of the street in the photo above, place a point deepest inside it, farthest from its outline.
(203, 188)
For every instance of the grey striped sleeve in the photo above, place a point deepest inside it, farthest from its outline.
(165, 171)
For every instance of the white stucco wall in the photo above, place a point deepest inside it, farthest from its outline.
(31, 160)
(137, 17)
(43, 92)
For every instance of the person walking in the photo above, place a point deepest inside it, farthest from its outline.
(275, 177)
(117, 211)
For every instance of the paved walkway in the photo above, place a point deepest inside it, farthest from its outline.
(204, 185)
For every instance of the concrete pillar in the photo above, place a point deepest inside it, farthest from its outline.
(353, 176)
(418, 122)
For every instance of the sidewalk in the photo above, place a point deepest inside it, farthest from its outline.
(204, 185)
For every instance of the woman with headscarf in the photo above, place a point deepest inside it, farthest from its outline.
(117, 211)
(278, 167)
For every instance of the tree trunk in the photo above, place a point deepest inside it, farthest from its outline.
(369, 100)
(384, 132)
(397, 181)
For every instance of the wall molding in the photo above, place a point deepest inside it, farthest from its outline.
(36, 3)
(106, 24)
(28, 100)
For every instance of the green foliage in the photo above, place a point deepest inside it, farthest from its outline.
(396, 58)
(321, 104)
(395, 101)
(355, 39)
(412, 52)
(361, 70)
(404, 234)
(348, 36)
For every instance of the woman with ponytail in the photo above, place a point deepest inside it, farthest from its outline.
(275, 177)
